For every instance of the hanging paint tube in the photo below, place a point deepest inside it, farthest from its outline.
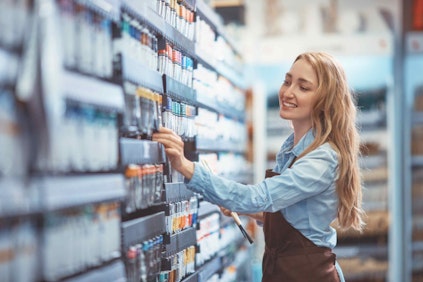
(83, 38)
(131, 267)
(156, 111)
(159, 183)
(132, 112)
(167, 113)
(68, 22)
(162, 60)
(169, 57)
(144, 107)
(132, 185)
(159, 110)
(107, 39)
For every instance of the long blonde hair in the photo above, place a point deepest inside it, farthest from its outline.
(334, 121)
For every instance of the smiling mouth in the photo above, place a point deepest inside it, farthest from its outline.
(288, 105)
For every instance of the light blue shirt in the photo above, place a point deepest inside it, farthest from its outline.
(305, 193)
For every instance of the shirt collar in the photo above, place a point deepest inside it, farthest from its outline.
(304, 142)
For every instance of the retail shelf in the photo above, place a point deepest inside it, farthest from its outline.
(417, 206)
(8, 67)
(361, 250)
(207, 208)
(219, 146)
(377, 227)
(15, 199)
(374, 161)
(179, 91)
(418, 246)
(366, 275)
(176, 192)
(134, 151)
(417, 222)
(241, 257)
(179, 241)
(143, 11)
(417, 249)
(191, 278)
(375, 205)
(236, 77)
(209, 15)
(374, 176)
(208, 269)
(212, 104)
(417, 266)
(417, 161)
(141, 74)
(141, 229)
(60, 192)
(109, 8)
(207, 102)
(370, 119)
(228, 251)
(418, 118)
(209, 61)
(90, 90)
(215, 21)
(113, 272)
(414, 42)
(223, 109)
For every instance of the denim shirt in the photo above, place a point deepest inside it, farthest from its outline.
(305, 193)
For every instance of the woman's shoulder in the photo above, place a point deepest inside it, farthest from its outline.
(326, 150)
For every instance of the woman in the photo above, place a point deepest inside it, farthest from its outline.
(315, 181)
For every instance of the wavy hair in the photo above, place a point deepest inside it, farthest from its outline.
(334, 121)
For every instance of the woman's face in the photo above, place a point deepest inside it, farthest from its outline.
(297, 94)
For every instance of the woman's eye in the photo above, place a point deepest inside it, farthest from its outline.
(304, 88)
(286, 82)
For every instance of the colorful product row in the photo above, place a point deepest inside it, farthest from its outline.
(144, 186)
(181, 215)
(143, 260)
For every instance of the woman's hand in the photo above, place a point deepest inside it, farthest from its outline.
(225, 211)
(174, 148)
(255, 216)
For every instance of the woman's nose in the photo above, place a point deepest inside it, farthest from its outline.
(288, 92)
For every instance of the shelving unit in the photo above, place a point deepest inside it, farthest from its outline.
(88, 192)
(409, 127)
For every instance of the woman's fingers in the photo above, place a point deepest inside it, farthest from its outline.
(168, 138)
(174, 146)
(169, 141)
(225, 211)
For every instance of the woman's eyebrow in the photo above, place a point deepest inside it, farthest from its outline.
(303, 80)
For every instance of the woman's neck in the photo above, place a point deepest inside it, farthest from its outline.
(299, 132)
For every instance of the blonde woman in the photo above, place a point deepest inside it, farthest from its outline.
(316, 179)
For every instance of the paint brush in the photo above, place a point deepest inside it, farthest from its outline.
(244, 232)
(234, 215)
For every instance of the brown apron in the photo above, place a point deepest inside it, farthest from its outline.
(290, 256)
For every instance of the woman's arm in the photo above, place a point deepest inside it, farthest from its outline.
(246, 198)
